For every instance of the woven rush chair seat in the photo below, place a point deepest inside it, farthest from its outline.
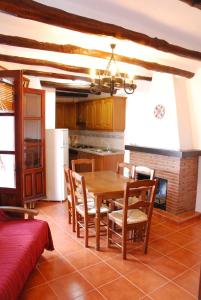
(131, 200)
(127, 170)
(90, 196)
(133, 221)
(91, 208)
(86, 211)
(133, 216)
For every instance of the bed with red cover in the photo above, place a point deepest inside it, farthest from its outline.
(21, 244)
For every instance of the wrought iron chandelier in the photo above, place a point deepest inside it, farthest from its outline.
(112, 79)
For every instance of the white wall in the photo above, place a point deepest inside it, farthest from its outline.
(50, 102)
(195, 113)
(182, 97)
(50, 108)
(142, 128)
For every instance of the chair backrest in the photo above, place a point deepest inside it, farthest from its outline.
(68, 180)
(144, 172)
(79, 189)
(145, 191)
(123, 166)
(83, 165)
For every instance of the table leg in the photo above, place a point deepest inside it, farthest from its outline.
(98, 201)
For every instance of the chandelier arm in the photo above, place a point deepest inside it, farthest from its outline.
(130, 88)
(110, 81)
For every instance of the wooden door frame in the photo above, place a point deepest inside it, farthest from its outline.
(18, 191)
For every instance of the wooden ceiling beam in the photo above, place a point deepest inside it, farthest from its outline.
(72, 88)
(17, 41)
(70, 77)
(70, 94)
(57, 75)
(147, 65)
(33, 10)
(194, 3)
(41, 62)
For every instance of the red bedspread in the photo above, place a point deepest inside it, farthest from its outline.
(21, 244)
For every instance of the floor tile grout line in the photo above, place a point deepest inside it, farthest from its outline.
(78, 271)
(166, 255)
(80, 243)
(117, 254)
(105, 261)
(170, 280)
(180, 288)
(120, 275)
(152, 241)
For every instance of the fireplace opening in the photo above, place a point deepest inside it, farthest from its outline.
(161, 192)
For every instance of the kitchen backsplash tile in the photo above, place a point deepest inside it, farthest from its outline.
(114, 140)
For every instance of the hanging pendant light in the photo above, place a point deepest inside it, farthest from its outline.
(111, 79)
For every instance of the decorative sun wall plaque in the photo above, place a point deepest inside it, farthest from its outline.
(159, 111)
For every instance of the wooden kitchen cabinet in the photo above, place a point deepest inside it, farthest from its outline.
(66, 115)
(90, 115)
(98, 113)
(114, 110)
(106, 114)
(102, 114)
(70, 115)
(59, 115)
(81, 115)
(102, 162)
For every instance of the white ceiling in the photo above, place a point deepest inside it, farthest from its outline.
(172, 20)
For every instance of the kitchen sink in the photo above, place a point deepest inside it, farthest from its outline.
(94, 149)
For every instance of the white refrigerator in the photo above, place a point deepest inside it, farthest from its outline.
(56, 159)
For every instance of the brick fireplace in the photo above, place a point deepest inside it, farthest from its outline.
(179, 168)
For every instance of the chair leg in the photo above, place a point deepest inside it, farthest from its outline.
(73, 220)
(86, 234)
(69, 211)
(146, 240)
(109, 233)
(77, 225)
(124, 245)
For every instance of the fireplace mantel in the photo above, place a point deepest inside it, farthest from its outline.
(179, 168)
(174, 153)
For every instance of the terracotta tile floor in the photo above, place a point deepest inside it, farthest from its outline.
(169, 271)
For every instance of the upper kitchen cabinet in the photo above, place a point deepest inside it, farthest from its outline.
(81, 115)
(66, 115)
(102, 114)
(109, 114)
(105, 114)
(90, 115)
(34, 143)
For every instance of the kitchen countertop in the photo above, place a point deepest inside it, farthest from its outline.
(98, 151)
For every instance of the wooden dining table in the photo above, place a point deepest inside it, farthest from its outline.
(104, 185)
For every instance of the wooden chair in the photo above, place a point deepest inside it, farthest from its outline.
(70, 202)
(84, 212)
(142, 172)
(123, 167)
(135, 217)
(83, 165)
